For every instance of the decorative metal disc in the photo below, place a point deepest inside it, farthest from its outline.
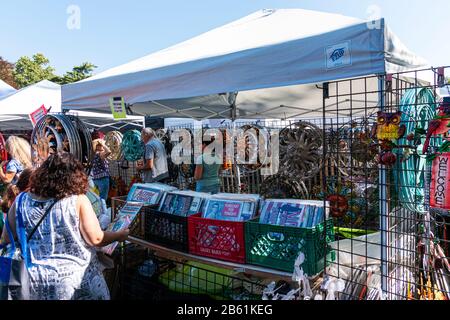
(250, 147)
(301, 150)
(132, 146)
(113, 141)
(60, 132)
(282, 187)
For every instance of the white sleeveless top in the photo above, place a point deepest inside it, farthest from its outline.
(63, 265)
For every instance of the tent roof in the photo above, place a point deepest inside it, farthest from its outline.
(5, 89)
(16, 107)
(267, 49)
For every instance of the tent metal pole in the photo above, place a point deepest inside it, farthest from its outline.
(384, 210)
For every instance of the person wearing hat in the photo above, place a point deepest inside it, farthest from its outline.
(100, 167)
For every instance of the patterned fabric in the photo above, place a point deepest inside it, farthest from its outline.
(100, 168)
(16, 167)
(63, 266)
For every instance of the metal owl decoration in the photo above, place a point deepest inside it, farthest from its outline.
(387, 130)
(388, 126)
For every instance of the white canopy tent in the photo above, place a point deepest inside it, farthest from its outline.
(265, 65)
(16, 107)
(5, 89)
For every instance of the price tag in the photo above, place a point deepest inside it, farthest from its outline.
(118, 108)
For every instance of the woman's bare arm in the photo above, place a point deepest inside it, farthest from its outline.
(12, 223)
(90, 227)
(198, 173)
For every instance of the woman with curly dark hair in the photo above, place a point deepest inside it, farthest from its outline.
(63, 260)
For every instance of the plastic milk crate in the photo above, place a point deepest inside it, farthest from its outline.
(277, 247)
(217, 239)
(166, 229)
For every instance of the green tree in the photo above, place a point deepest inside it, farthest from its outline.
(29, 71)
(78, 73)
(6, 72)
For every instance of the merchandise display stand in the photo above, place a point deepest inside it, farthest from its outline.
(243, 268)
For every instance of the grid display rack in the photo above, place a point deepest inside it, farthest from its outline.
(374, 176)
(382, 124)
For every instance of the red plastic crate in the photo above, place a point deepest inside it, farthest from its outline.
(223, 240)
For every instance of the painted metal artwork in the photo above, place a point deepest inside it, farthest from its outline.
(60, 132)
(132, 146)
(350, 202)
(351, 151)
(113, 141)
(387, 131)
(301, 150)
(281, 187)
(250, 147)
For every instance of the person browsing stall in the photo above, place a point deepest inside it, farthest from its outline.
(19, 151)
(207, 171)
(154, 168)
(63, 260)
(100, 167)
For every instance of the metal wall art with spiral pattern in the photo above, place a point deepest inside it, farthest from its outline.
(132, 146)
(301, 150)
(113, 141)
(281, 187)
(251, 147)
(60, 132)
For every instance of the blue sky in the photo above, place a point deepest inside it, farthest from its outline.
(115, 32)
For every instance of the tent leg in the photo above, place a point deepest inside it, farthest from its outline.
(384, 210)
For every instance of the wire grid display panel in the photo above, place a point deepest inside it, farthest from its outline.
(148, 277)
(246, 180)
(379, 209)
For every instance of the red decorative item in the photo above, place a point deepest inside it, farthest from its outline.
(3, 153)
(338, 205)
(217, 239)
(410, 137)
(440, 125)
(440, 182)
(388, 159)
(96, 134)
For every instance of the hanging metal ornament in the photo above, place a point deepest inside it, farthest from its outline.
(185, 170)
(301, 150)
(113, 141)
(87, 152)
(248, 148)
(162, 135)
(60, 132)
(338, 151)
(282, 187)
(361, 157)
(132, 146)
(3, 152)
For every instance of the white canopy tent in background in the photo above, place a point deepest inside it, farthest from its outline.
(265, 65)
(16, 107)
(5, 89)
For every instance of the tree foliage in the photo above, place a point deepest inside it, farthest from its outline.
(78, 73)
(6, 72)
(29, 71)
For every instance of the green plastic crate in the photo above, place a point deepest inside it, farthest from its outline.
(277, 247)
